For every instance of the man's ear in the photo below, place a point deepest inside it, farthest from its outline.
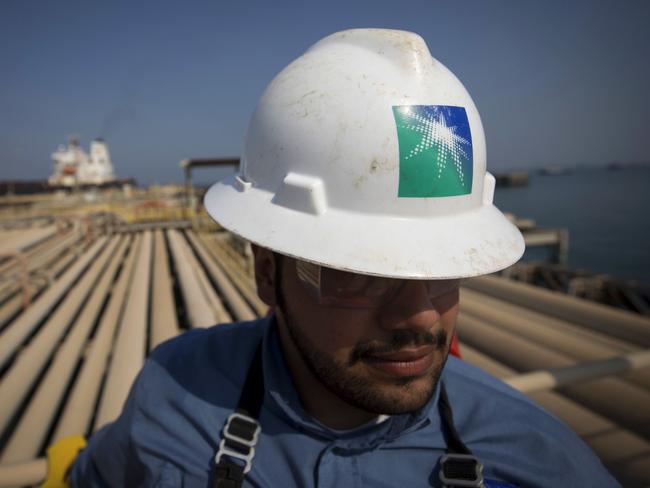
(265, 274)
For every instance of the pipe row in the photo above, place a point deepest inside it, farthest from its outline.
(626, 454)
(80, 405)
(602, 395)
(35, 421)
(616, 323)
(241, 310)
(37, 262)
(573, 341)
(200, 307)
(244, 283)
(19, 240)
(18, 330)
(130, 345)
(38, 284)
(18, 381)
(36, 253)
(203, 264)
(21, 474)
(164, 323)
(558, 377)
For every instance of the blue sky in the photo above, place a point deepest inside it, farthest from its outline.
(556, 82)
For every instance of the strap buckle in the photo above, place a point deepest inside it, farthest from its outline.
(461, 470)
(240, 434)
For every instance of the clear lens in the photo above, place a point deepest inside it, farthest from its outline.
(340, 288)
(343, 289)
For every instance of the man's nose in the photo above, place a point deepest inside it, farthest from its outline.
(411, 308)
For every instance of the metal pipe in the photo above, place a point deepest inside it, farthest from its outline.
(43, 253)
(25, 238)
(214, 300)
(130, 344)
(36, 262)
(10, 308)
(77, 414)
(22, 474)
(637, 301)
(539, 326)
(234, 256)
(164, 323)
(188, 185)
(616, 323)
(244, 283)
(18, 381)
(23, 264)
(38, 283)
(53, 250)
(235, 301)
(17, 331)
(604, 395)
(233, 267)
(35, 422)
(19, 240)
(162, 225)
(199, 310)
(572, 340)
(558, 377)
(208, 290)
(625, 453)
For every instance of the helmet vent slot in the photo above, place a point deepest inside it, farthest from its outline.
(242, 184)
(489, 182)
(302, 193)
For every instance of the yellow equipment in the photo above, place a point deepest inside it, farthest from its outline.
(60, 457)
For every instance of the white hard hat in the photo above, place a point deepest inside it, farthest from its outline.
(366, 154)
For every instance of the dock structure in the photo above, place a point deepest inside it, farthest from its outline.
(513, 178)
(556, 239)
(102, 299)
(188, 165)
(556, 275)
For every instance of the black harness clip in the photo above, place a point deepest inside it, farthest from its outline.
(461, 470)
(240, 435)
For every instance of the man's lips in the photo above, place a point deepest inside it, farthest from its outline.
(407, 362)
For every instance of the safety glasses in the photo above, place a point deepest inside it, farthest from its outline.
(335, 288)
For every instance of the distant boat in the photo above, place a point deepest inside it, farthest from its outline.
(73, 166)
(616, 166)
(554, 170)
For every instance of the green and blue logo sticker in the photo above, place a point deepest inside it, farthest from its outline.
(435, 151)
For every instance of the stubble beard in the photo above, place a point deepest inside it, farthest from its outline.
(386, 396)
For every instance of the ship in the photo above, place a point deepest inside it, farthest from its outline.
(73, 166)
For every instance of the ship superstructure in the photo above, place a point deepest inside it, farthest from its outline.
(73, 166)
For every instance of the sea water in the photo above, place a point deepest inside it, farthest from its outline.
(605, 211)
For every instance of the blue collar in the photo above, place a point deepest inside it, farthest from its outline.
(286, 404)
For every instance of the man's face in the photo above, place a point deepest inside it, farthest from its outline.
(385, 360)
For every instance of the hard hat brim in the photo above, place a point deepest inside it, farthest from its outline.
(471, 243)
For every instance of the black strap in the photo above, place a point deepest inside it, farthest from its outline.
(459, 464)
(459, 467)
(252, 395)
(227, 473)
(454, 444)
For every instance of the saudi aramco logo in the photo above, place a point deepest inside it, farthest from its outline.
(435, 151)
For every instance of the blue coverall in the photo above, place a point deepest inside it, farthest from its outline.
(169, 431)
